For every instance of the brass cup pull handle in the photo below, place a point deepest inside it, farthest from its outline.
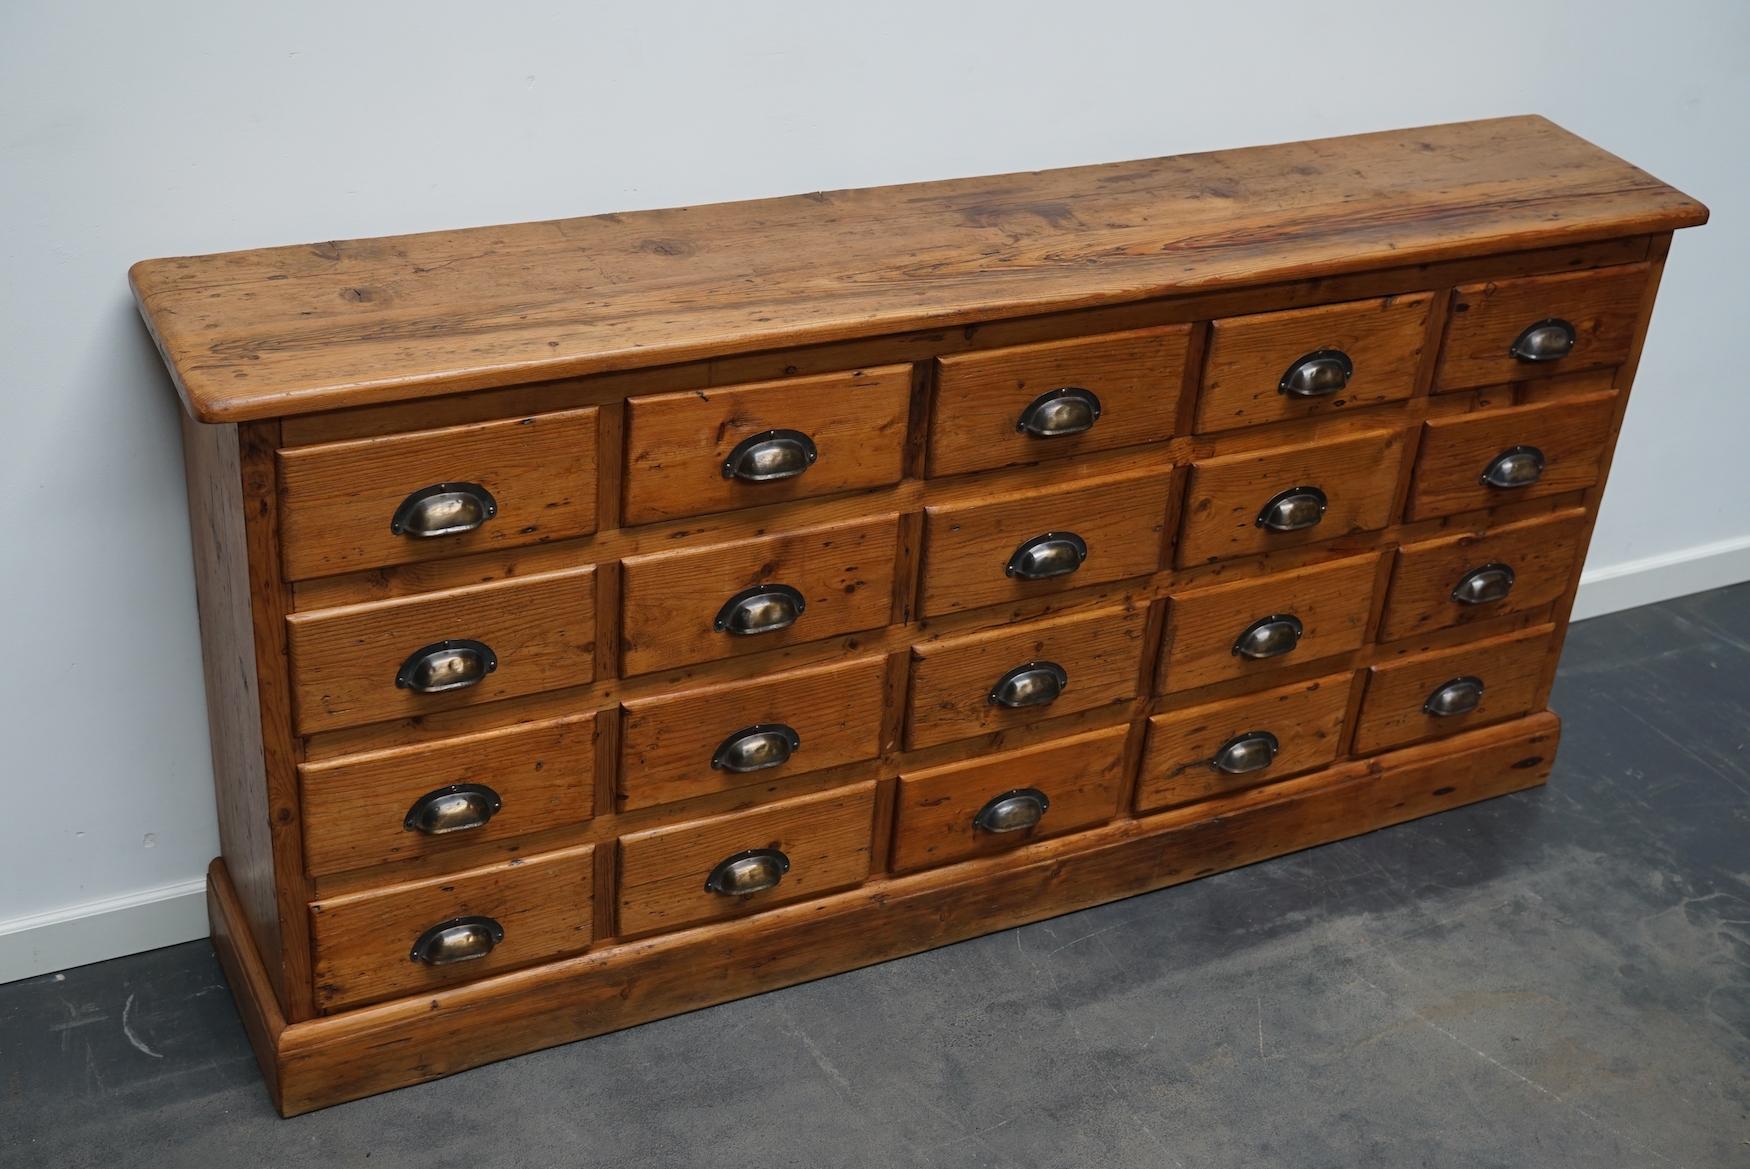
(1029, 684)
(443, 509)
(1242, 754)
(1517, 466)
(1047, 555)
(1060, 413)
(756, 748)
(1485, 585)
(1459, 696)
(753, 871)
(1550, 339)
(770, 456)
(764, 608)
(455, 808)
(1318, 374)
(1294, 510)
(446, 665)
(1012, 811)
(1269, 637)
(460, 939)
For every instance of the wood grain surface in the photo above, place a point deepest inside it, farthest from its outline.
(1306, 718)
(1248, 357)
(1540, 551)
(676, 444)
(291, 330)
(1511, 668)
(1488, 316)
(1572, 433)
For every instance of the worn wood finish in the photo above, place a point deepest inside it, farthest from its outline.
(1226, 495)
(1573, 435)
(1248, 357)
(1511, 667)
(354, 807)
(667, 742)
(663, 870)
(347, 323)
(670, 600)
(907, 349)
(337, 500)
(344, 661)
(1541, 552)
(1331, 601)
(676, 444)
(363, 940)
(1487, 317)
(1080, 776)
(981, 397)
(428, 1036)
(951, 679)
(968, 546)
(1306, 718)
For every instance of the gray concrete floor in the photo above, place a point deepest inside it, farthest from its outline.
(1556, 978)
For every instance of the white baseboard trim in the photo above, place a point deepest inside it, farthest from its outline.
(112, 927)
(1633, 583)
(95, 931)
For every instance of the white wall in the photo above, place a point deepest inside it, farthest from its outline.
(135, 130)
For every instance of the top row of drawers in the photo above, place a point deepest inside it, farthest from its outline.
(385, 500)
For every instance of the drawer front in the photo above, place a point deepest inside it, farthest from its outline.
(1328, 603)
(1000, 801)
(345, 506)
(1488, 319)
(800, 586)
(538, 908)
(348, 665)
(824, 841)
(713, 738)
(424, 801)
(1395, 710)
(1566, 438)
(989, 409)
(1204, 751)
(1043, 541)
(716, 449)
(967, 685)
(1275, 366)
(1477, 576)
(1259, 501)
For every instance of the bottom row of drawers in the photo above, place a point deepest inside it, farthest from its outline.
(429, 933)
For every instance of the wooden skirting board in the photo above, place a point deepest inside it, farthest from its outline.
(325, 1061)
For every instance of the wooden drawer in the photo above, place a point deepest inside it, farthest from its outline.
(1510, 667)
(1538, 556)
(952, 680)
(1305, 722)
(1228, 496)
(1331, 602)
(671, 601)
(339, 501)
(824, 838)
(936, 817)
(670, 745)
(679, 446)
(1252, 360)
(1571, 434)
(970, 549)
(346, 662)
(363, 942)
(373, 808)
(982, 399)
(1488, 317)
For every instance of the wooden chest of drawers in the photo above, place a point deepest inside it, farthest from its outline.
(608, 617)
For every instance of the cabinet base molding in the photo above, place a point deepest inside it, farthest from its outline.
(327, 1060)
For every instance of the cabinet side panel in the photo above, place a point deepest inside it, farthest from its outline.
(236, 583)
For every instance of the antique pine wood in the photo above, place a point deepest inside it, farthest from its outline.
(595, 374)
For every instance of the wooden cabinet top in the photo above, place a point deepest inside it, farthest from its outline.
(293, 330)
